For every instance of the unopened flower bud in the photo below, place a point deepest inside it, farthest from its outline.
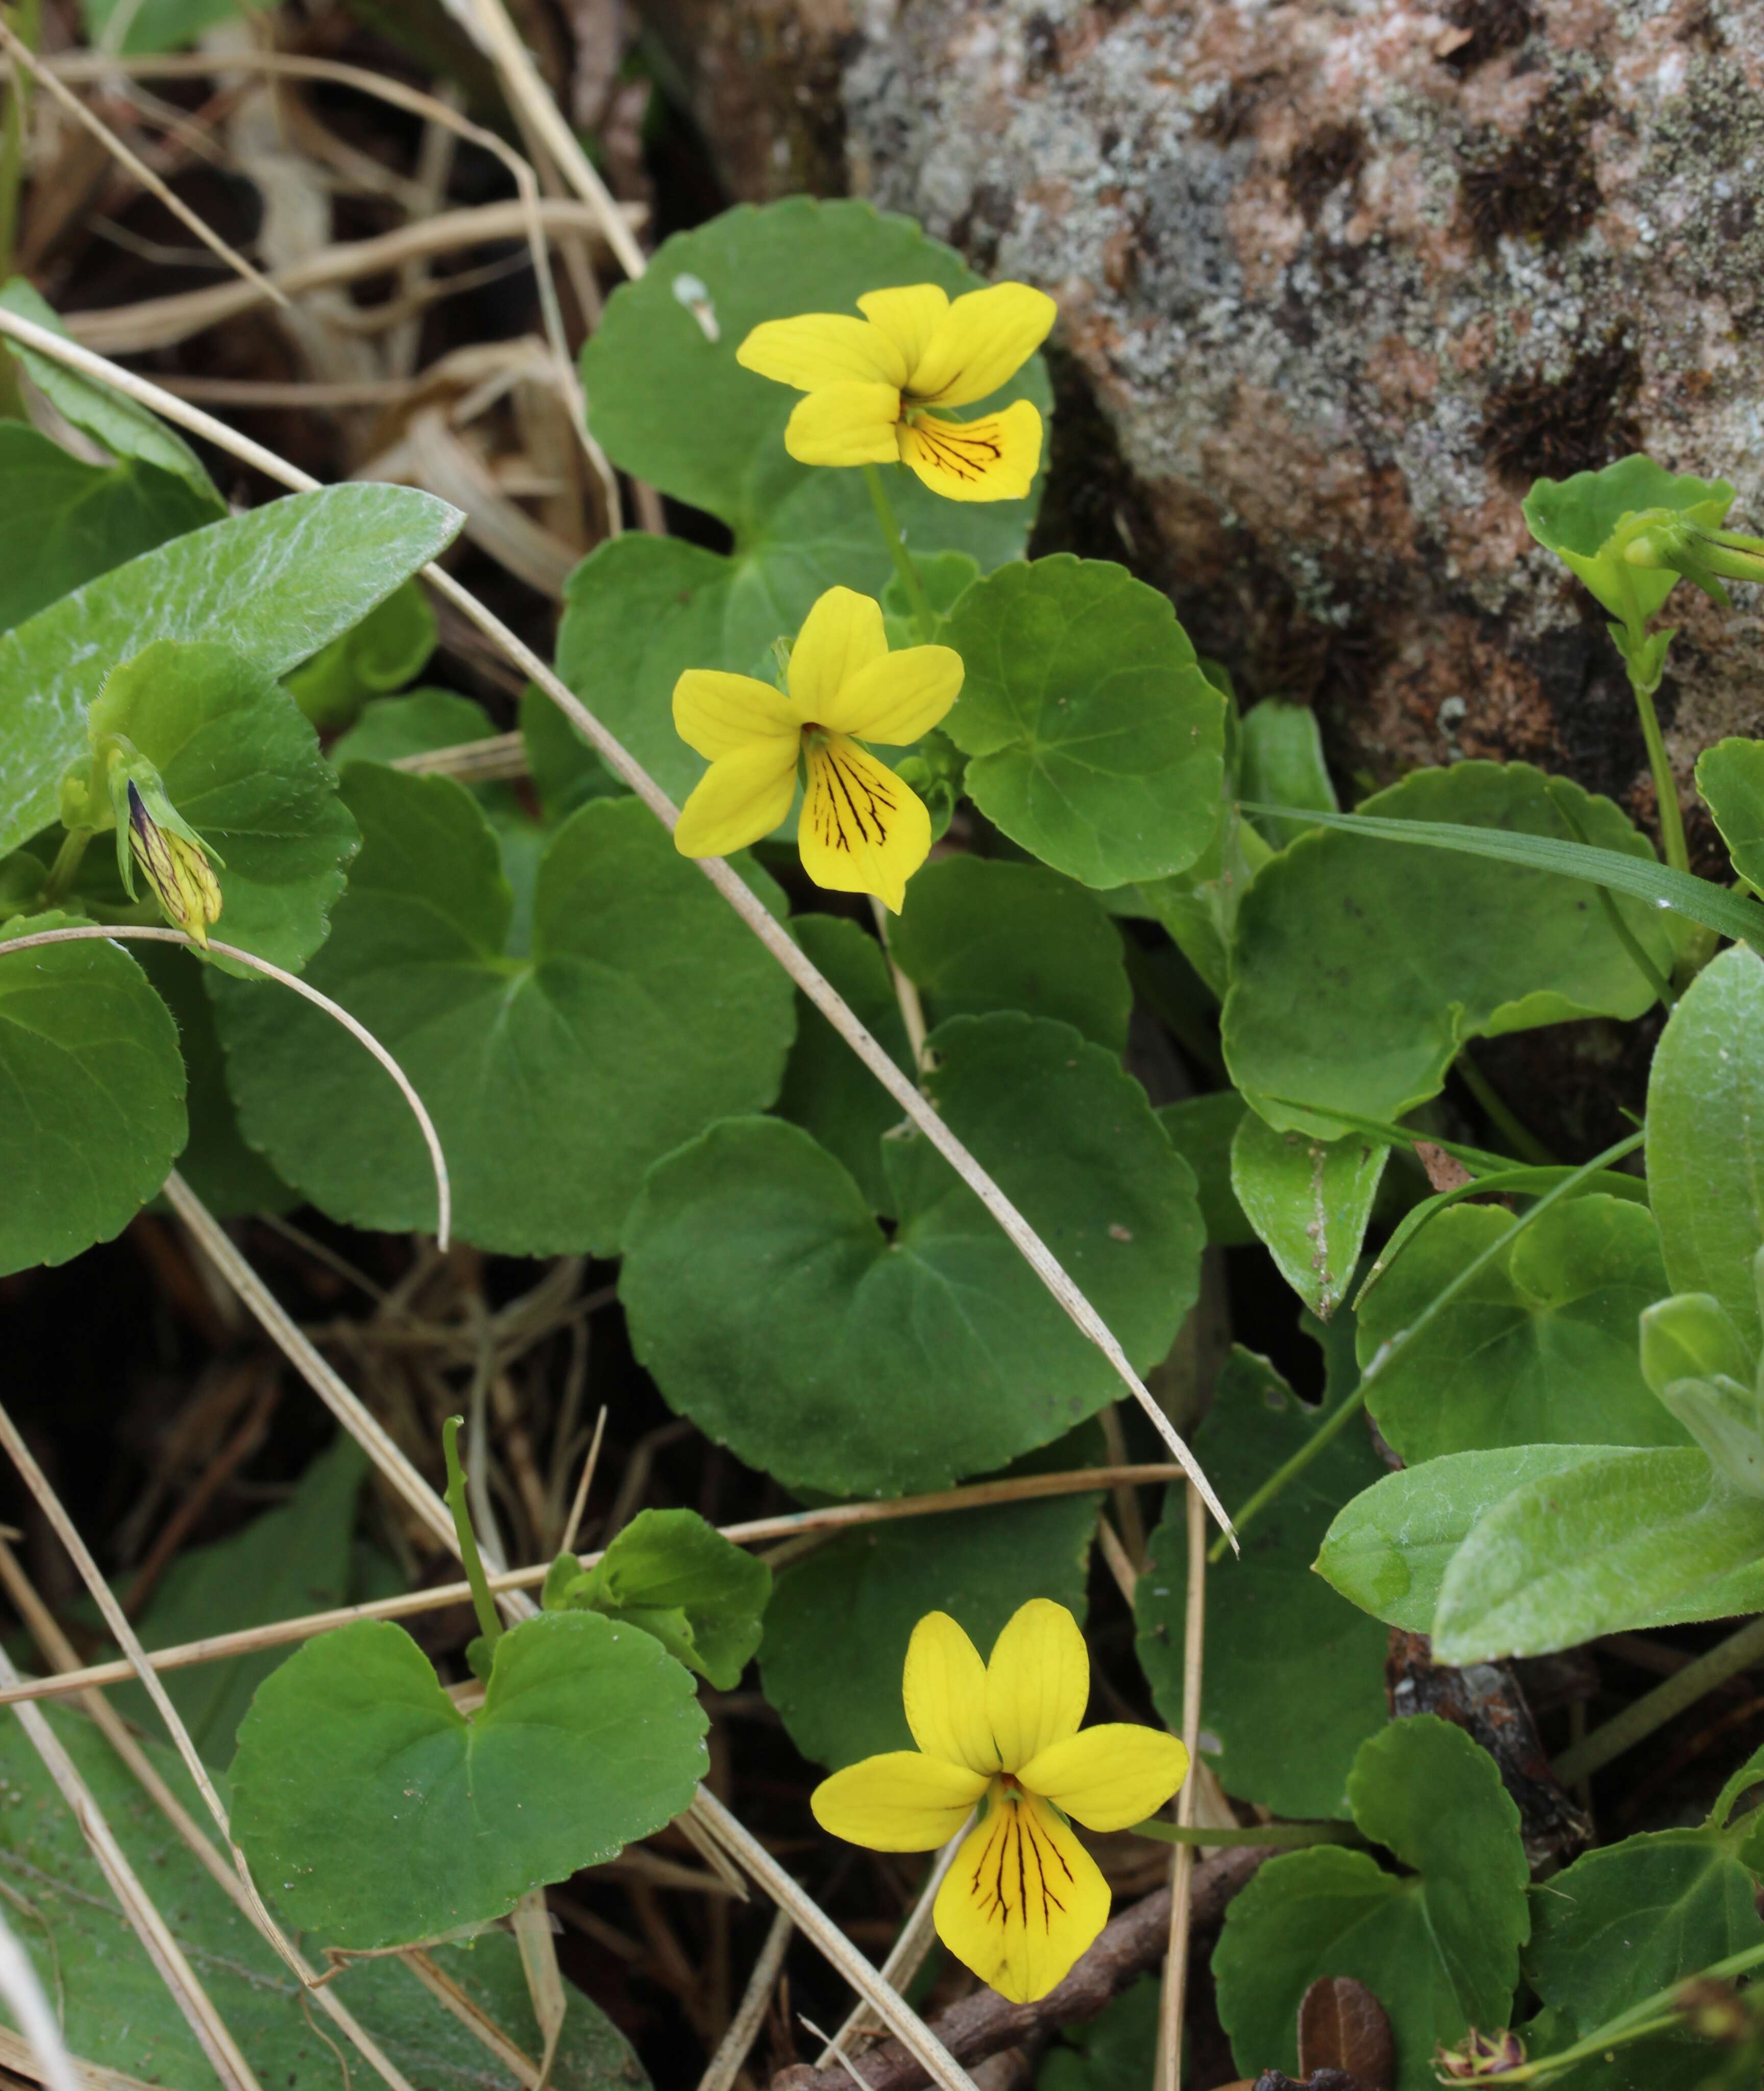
(152, 834)
(1713, 2011)
(1479, 2055)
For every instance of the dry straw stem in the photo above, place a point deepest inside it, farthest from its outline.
(22, 2060)
(898, 2015)
(22, 54)
(1169, 2064)
(55, 1645)
(145, 933)
(744, 2027)
(835, 1517)
(23, 1995)
(906, 1956)
(167, 1956)
(728, 881)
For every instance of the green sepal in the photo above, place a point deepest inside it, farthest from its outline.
(1691, 1336)
(935, 772)
(1644, 652)
(1579, 518)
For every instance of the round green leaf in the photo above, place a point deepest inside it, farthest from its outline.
(1731, 778)
(374, 1813)
(419, 722)
(840, 1621)
(643, 1010)
(1294, 1678)
(89, 1057)
(1097, 742)
(774, 1311)
(670, 403)
(275, 584)
(1638, 1917)
(1438, 1948)
(64, 522)
(1359, 968)
(1200, 1130)
(1705, 1124)
(1539, 1348)
(242, 765)
(976, 936)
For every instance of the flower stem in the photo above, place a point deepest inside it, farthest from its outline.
(62, 871)
(923, 612)
(1655, 1709)
(1665, 784)
(481, 1603)
(1526, 1145)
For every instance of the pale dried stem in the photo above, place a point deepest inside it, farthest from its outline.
(150, 934)
(1116, 1559)
(905, 991)
(23, 1995)
(499, 757)
(814, 1923)
(573, 1523)
(448, 1994)
(906, 1956)
(167, 1956)
(749, 2014)
(752, 910)
(834, 1517)
(41, 1624)
(22, 56)
(1175, 1998)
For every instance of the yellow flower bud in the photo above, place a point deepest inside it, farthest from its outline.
(183, 883)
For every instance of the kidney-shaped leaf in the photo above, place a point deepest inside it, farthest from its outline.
(774, 1311)
(275, 584)
(1438, 1948)
(1540, 1347)
(1705, 1135)
(1096, 741)
(644, 1011)
(1360, 967)
(375, 1812)
(89, 1054)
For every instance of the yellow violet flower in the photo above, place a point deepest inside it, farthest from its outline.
(1024, 1898)
(872, 384)
(862, 831)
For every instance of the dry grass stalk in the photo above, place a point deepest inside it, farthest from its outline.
(447, 1992)
(834, 1517)
(19, 2059)
(22, 54)
(906, 1956)
(59, 1649)
(1175, 1998)
(752, 910)
(750, 2014)
(23, 1994)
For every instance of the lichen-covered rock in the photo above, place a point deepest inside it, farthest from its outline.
(1342, 280)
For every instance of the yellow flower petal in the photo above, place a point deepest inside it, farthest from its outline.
(1023, 1899)
(1037, 1682)
(944, 1688)
(823, 348)
(983, 339)
(897, 1802)
(1112, 1776)
(898, 698)
(740, 798)
(848, 424)
(909, 317)
(990, 459)
(717, 713)
(862, 831)
(842, 635)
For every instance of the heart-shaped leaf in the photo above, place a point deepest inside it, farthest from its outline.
(1438, 1947)
(375, 1812)
(1309, 1200)
(677, 1578)
(242, 765)
(1360, 968)
(275, 584)
(555, 1077)
(1540, 1347)
(837, 1357)
(1096, 742)
(1705, 1124)
(977, 935)
(85, 1039)
(1731, 778)
(1295, 1679)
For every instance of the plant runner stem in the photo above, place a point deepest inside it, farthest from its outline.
(1333, 1425)
(923, 612)
(1655, 1709)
